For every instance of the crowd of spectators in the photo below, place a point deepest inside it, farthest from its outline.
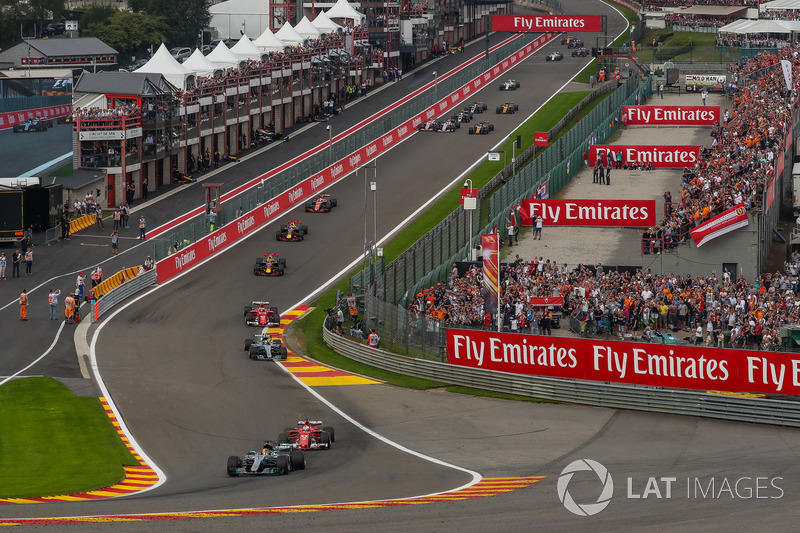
(779, 14)
(657, 5)
(751, 41)
(741, 160)
(693, 21)
(715, 310)
(96, 113)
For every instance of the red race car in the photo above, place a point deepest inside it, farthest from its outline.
(308, 435)
(261, 314)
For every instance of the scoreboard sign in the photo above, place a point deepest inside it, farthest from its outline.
(549, 23)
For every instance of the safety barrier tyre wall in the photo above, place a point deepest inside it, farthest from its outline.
(617, 396)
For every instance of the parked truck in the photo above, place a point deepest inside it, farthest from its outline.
(12, 215)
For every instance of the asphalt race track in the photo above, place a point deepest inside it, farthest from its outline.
(173, 363)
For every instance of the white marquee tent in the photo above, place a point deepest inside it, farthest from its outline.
(245, 49)
(752, 27)
(781, 4)
(288, 36)
(234, 17)
(222, 57)
(198, 63)
(268, 42)
(163, 63)
(306, 29)
(343, 10)
(325, 24)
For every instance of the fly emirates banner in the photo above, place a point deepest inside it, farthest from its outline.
(658, 156)
(655, 365)
(592, 213)
(638, 115)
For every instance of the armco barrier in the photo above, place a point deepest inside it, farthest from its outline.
(300, 193)
(120, 292)
(651, 399)
(7, 120)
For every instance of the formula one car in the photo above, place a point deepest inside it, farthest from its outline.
(509, 85)
(261, 314)
(555, 56)
(272, 459)
(64, 119)
(265, 348)
(568, 39)
(308, 436)
(507, 108)
(580, 52)
(429, 125)
(481, 128)
(32, 125)
(575, 43)
(292, 231)
(462, 117)
(449, 126)
(322, 204)
(476, 107)
(269, 265)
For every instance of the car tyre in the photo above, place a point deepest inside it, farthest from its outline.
(499, 110)
(471, 131)
(297, 459)
(331, 432)
(247, 344)
(278, 235)
(333, 202)
(282, 465)
(284, 353)
(325, 440)
(233, 465)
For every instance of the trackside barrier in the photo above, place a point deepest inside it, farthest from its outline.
(611, 395)
(111, 283)
(122, 291)
(298, 194)
(81, 223)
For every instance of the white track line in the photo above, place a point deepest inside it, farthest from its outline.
(55, 340)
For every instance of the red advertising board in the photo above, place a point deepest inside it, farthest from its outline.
(467, 192)
(539, 23)
(658, 156)
(671, 115)
(546, 301)
(8, 120)
(541, 138)
(655, 365)
(192, 255)
(593, 213)
(727, 221)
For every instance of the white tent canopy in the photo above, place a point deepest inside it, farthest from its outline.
(781, 4)
(234, 16)
(245, 49)
(268, 42)
(221, 56)
(325, 24)
(163, 63)
(748, 27)
(198, 63)
(343, 10)
(288, 36)
(306, 29)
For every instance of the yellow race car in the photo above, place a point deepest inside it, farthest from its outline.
(481, 128)
(507, 109)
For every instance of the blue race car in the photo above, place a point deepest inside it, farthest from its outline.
(33, 124)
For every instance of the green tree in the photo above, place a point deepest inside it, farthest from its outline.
(96, 14)
(27, 17)
(128, 32)
(184, 18)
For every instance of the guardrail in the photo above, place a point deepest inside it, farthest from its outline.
(709, 404)
(123, 290)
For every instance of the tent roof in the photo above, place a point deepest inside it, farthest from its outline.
(755, 27)
(200, 64)
(781, 4)
(245, 49)
(712, 11)
(163, 63)
(288, 35)
(221, 56)
(268, 42)
(324, 24)
(306, 29)
(133, 83)
(241, 7)
(343, 10)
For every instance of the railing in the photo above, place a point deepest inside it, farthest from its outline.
(708, 404)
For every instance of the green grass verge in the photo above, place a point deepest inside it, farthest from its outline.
(308, 331)
(65, 170)
(53, 442)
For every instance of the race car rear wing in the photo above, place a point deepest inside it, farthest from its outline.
(311, 422)
(265, 304)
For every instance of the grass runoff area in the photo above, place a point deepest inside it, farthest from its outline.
(53, 442)
(308, 330)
